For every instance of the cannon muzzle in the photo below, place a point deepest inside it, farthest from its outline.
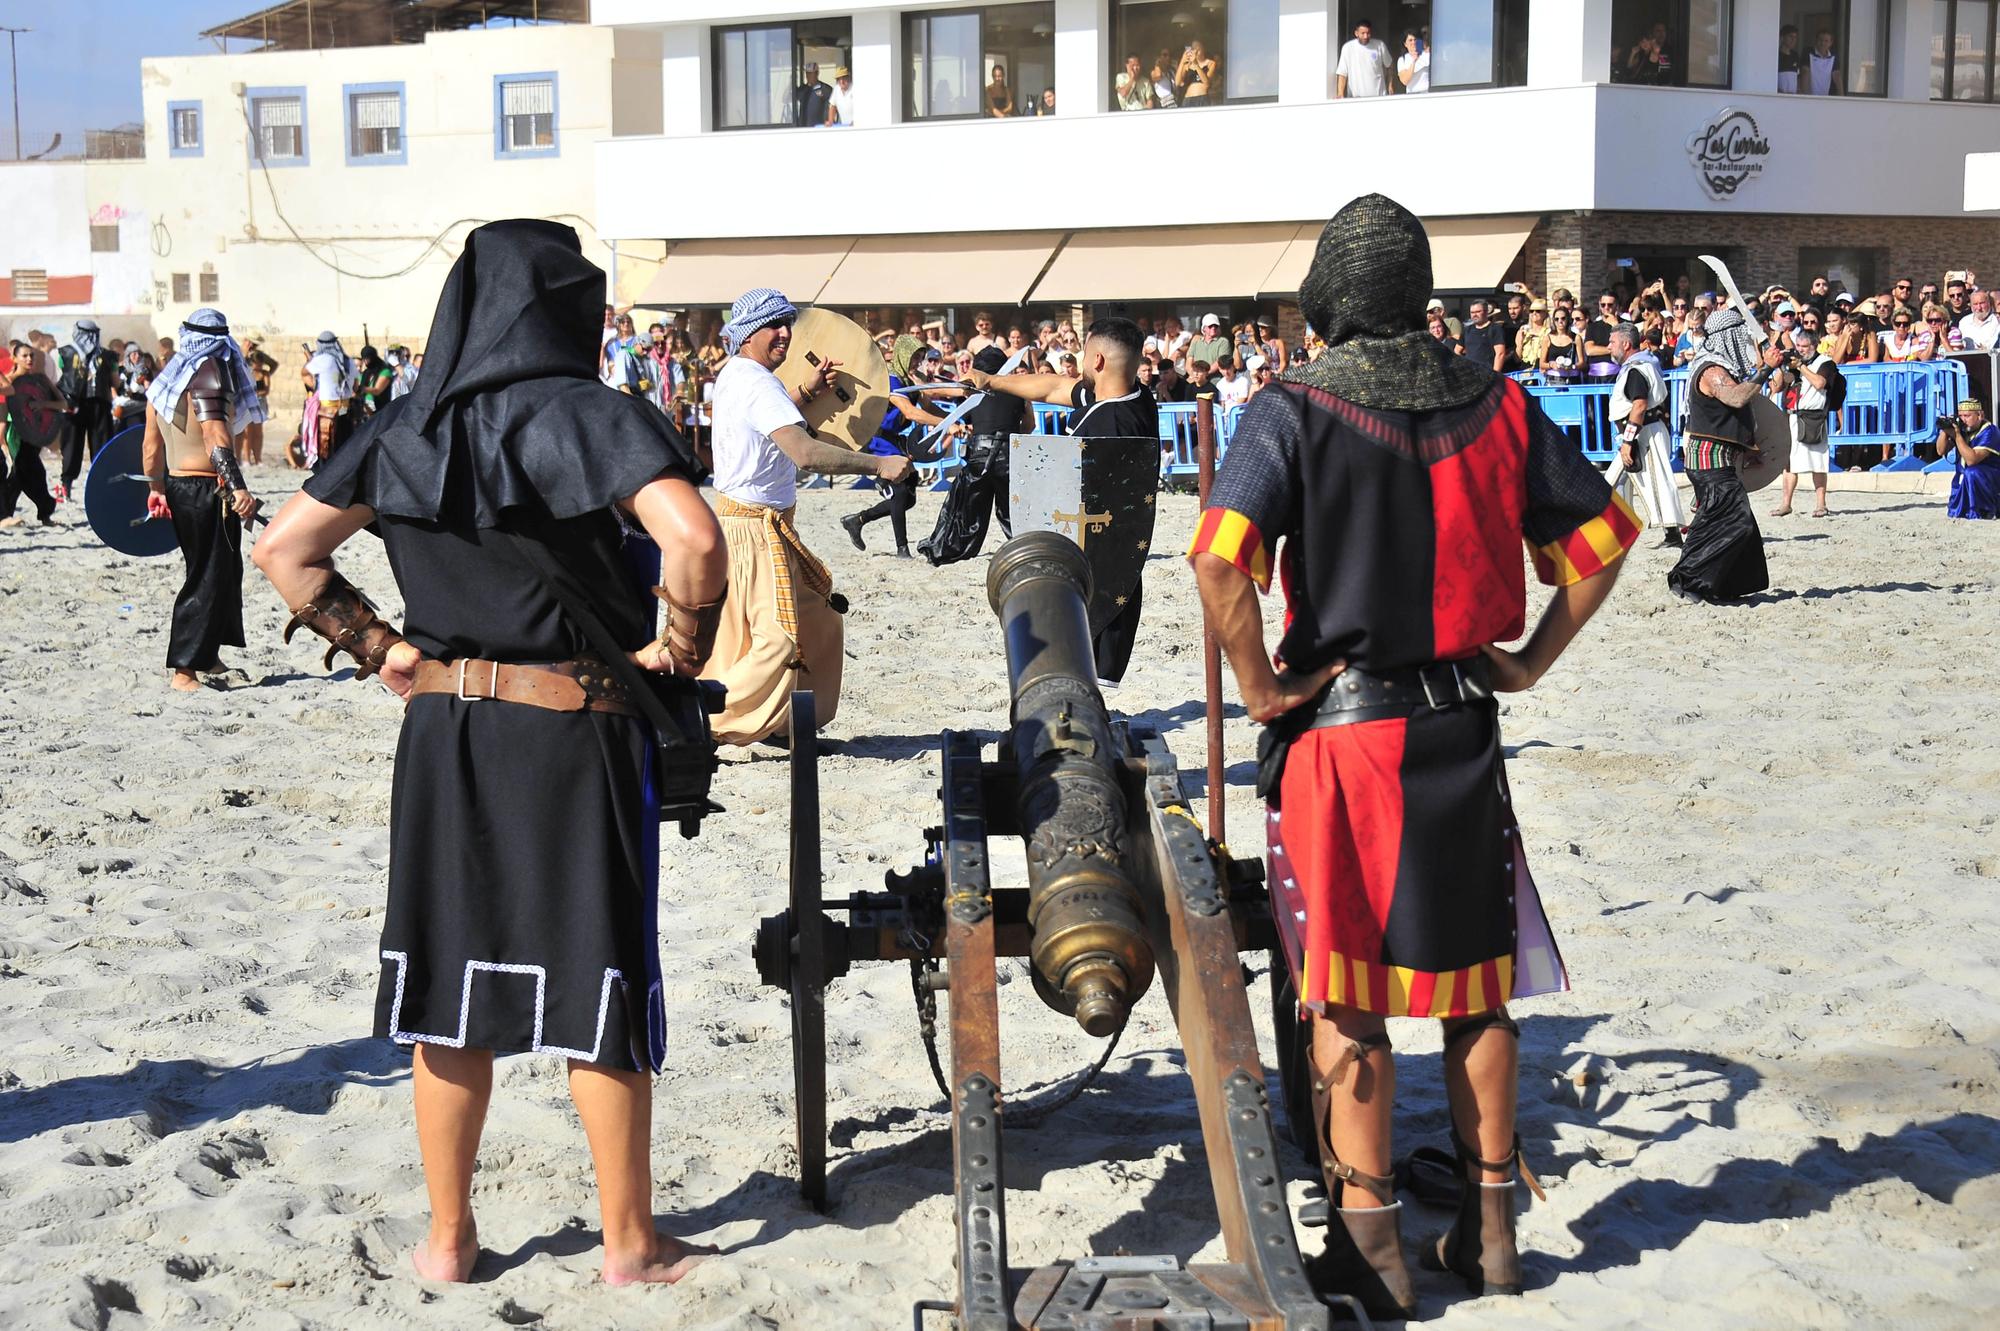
(1090, 952)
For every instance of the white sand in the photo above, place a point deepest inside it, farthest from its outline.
(1766, 836)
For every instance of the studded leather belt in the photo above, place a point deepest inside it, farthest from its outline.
(582, 685)
(1357, 695)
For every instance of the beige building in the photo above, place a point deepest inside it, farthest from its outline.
(326, 178)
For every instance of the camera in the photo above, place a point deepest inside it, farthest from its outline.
(1948, 424)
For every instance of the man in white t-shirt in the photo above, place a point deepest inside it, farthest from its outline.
(780, 628)
(1363, 67)
(1981, 328)
(1232, 386)
(840, 105)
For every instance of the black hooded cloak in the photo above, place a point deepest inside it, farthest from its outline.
(524, 842)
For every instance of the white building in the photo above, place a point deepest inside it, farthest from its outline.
(1537, 152)
(326, 178)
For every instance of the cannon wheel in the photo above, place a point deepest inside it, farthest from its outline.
(1294, 1040)
(809, 966)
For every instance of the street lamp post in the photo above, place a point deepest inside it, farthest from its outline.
(14, 69)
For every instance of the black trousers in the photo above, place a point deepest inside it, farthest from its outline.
(901, 498)
(27, 477)
(978, 493)
(83, 434)
(208, 613)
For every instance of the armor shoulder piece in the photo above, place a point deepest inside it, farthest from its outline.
(209, 391)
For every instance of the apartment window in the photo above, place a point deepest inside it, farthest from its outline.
(104, 239)
(761, 72)
(184, 129)
(1962, 50)
(375, 124)
(278, 116)
(524, 115)
(1193, 54)
(992, 61)
(31, 286)
(1844, 269)
(183, 289)
(211, 289)
(1671, 43)
(1833, 47)
(1471, 43)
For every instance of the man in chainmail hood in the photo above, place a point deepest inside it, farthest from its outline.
(1722, 553)
(1391, 483)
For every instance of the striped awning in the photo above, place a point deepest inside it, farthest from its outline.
(532, 97)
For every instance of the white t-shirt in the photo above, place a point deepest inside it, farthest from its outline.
(1417, 67)
(843, 105)
(1363, 67)
(751, 405)
(329, 384)
(1819, 73)
(1980, 335)
(1234, 392)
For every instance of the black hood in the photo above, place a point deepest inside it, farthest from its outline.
(508, 412)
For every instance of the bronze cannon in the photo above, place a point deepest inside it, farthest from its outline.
(1122, 885)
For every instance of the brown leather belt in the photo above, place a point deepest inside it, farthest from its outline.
(582, 685)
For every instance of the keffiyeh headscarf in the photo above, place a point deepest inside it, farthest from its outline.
(205, 336)
(1730, 344)
(1365, 294)
(331, 366)
(754, 309)
(906, 350)
(86, 337)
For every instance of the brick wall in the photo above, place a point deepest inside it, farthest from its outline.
(1571, 249)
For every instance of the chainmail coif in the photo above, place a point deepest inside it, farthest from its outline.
(1365, 294)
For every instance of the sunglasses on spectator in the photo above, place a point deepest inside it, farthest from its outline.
(1935, 319)
(1901, 323)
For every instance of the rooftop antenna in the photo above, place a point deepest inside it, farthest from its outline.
(14, 66)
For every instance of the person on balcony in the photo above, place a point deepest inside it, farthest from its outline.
(1133, 88)
(999, 97)
(1789, 59)
(1821, 69)
(1364, 63)
(1195, 74)
(1413, 66)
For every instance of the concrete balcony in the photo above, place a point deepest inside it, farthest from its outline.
(1588, 147)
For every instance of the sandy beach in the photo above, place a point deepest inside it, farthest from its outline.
(1768, 837)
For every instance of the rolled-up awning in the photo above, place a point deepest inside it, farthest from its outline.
(1467, 253)
(1166, 262)
(966, 269)
(716, 272)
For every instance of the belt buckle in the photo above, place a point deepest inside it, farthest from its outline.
(1424, 679)
(492, 689)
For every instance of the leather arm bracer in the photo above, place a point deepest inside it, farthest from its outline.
(689, 633)
(346, 619)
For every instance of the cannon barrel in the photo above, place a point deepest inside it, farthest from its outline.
(1090, 952)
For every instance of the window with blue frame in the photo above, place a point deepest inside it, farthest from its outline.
(184, 129)
(278, 125)
(524, 115)
(375, 124)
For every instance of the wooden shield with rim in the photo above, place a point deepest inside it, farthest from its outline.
(850, 414)
(1773, 453)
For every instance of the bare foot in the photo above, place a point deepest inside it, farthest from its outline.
(451, 1268)
(1781, 512)
(183, 681)
(666, 1264)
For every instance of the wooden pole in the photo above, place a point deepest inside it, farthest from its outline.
(1211, 652)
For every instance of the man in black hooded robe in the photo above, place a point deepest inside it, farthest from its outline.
(524, 824)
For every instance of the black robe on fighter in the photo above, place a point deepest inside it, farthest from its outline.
(524, 841)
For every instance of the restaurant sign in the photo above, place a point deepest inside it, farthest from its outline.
(1727, 151)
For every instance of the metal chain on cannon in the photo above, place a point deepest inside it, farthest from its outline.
(922, 968)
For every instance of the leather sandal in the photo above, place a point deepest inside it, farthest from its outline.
(1363, 1256)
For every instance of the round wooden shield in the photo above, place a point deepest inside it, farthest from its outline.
(853, 411)
(1774, 445)
(37, 409)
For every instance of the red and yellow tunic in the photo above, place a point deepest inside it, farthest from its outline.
(1395, 863)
